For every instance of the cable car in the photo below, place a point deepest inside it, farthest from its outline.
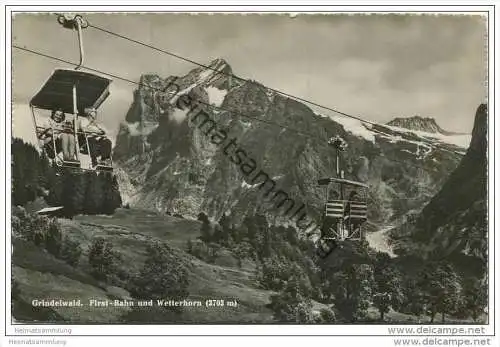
(64, 113)
(345, 207)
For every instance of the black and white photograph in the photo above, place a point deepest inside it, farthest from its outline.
(325, 169)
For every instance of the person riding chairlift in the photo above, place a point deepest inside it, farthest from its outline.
(99, 144)
(68, 141)
(58, 133)
(50, 135)
(353, 197)
(333, 195)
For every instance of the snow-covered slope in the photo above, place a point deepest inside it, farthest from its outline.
(459, 140)
(394, 134)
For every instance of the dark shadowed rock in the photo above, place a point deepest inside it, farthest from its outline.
(455, 219)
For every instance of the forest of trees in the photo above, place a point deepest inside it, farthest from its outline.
(349, 283)
(78, 191)
(32, 174)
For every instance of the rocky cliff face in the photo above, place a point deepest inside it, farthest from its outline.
(454, 222)
(419, 124)
(175, 166)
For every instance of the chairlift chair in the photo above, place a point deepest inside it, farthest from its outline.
(345, 208)
(344, 214)
(71, 91)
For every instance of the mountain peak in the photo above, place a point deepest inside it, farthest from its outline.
(418, 123)
(479, 133)
(221, 65)
(219, 61)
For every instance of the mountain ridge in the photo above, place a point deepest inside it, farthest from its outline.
(177, 169)
(418, 123)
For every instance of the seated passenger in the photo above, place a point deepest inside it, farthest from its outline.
(333, 195)
(50, 135)
(68, 142)
(353, 197)
(99, 144)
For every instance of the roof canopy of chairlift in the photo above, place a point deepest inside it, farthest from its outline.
(331, 180)
(57, 93)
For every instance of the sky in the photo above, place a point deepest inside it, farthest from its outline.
(377, 67)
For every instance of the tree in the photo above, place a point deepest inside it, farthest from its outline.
(291, 235)
(388, 288)
(19, 193)
(213, 252)
(352, 291)
(382, 301)
(162, 276)
(250, 230)
(441, 287)
(258, 232)
(94, 193)
(202, 217)
(56, 191)
(226, 229)
(275, 272)
(53, 238)
(206, 228)
(102, 258)
(413, 297)
(27, 181)
(112, 199)
(46, 173)
(217, 235)
(237, 233)
(292, 304)
(189, 246)
(70, 251)
(327, 315)
(73, 192)
(474, 296)
(242, 251)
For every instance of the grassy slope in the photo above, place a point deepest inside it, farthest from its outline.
(42, 276)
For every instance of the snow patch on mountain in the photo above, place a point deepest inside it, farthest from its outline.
(251, 186)
(248, 186)
(459, 140)
(356, 127)
(179, 115)
(364, 130)
(141, 129)
(462, 141)
(203, 77)
(133, 128)
(215, 95)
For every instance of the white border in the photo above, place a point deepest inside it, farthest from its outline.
(353, 330)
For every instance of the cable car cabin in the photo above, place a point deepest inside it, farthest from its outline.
(65, 117)
(345, 212)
